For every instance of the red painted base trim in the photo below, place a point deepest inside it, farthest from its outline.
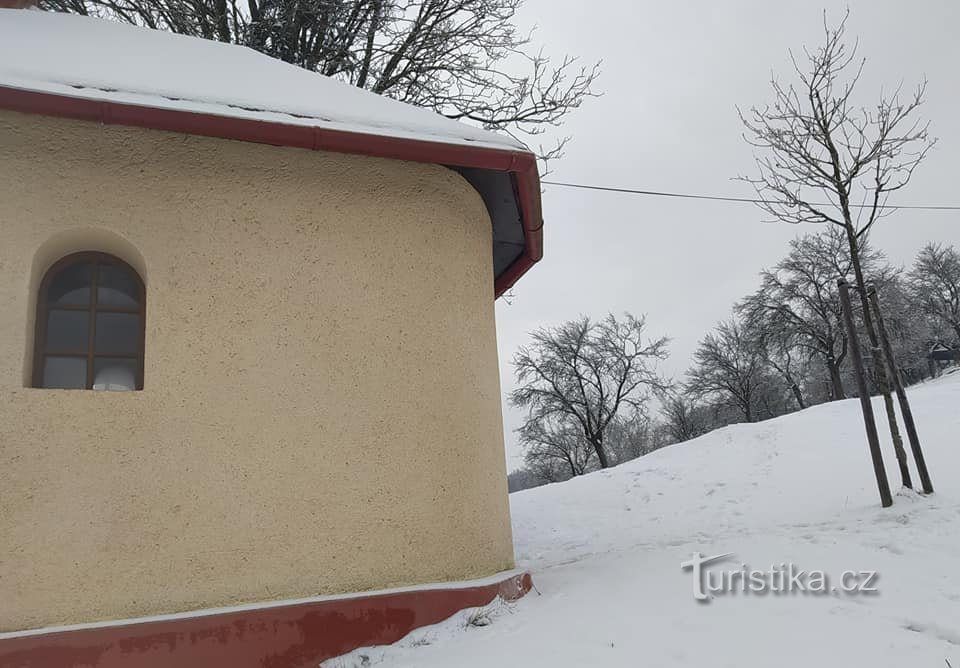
(284, 636)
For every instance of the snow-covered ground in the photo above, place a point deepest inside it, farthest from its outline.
(605, 553)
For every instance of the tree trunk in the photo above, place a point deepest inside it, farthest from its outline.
(878, 365)
(798, 395)
(866, 406)
(836, 382)
(597, 443)
(901, 396)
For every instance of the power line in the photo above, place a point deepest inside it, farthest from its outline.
(745, 200)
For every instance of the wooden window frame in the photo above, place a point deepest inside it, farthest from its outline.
(96, 259)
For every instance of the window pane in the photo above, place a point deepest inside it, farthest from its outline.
(71, 285)
(114, 373)
(65, 372)
(67, 331)
(117, 287)
(118, 333)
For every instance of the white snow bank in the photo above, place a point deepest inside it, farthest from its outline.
(95, 59)
(605, 553)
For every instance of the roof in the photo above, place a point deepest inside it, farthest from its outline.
(93, 69)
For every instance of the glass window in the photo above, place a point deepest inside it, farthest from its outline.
(90, 325)
(71, 285)
(117, 286)
(117, 333)
(65, 372)
(67, 331)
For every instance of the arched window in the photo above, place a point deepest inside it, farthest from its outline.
(90, 325)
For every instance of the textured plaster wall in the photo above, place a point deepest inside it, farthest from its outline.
(321, 408)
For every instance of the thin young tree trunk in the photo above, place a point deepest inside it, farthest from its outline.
(869, 422)
(881, 375)
(901, 396)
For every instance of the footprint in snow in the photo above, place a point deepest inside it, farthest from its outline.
(939, 632)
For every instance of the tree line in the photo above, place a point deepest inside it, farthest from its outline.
(595, 397)
(821, 158)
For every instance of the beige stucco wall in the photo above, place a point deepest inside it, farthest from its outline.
(321, 409)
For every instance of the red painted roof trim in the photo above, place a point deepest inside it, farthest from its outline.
(522, 165)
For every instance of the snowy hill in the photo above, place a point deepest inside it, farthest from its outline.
(605, 552)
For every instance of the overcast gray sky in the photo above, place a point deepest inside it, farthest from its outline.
(673, 74)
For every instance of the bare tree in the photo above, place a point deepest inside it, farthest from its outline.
(822, 159)
(462, 58)
(912, 331)
(588, 373)
(684, 419)
(781, 353)
(935, 284)
(555, 450)
(633, 435)
(730, 368)
(797, 305)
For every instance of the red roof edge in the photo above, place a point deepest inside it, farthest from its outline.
(527, 186)
(522, 165)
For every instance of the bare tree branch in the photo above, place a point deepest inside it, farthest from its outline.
(464, 59)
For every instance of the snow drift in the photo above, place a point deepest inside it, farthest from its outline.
(605, 552)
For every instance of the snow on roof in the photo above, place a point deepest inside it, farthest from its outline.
(95, 59)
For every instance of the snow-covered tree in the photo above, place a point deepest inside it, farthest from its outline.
(797, 307)
(682, 418)
(555, 449)
(730, 369)
(588, 374)
(634, 435)
(935, 284)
